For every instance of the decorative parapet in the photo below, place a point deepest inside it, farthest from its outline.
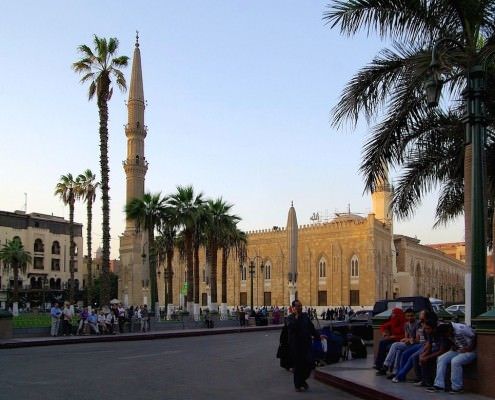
(136, 130)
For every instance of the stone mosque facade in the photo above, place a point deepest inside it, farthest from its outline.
(348, 260)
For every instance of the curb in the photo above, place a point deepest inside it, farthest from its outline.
(38, 342)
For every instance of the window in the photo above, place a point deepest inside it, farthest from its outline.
(354, 267)
(55, 264)
(322, 297)
(56, 248)
(268, 272)
(267, 298)
(243, 273)
(322, 268)
(38, 263)
(354, 297)
(204, 275)
(204, 299)
(38, 246)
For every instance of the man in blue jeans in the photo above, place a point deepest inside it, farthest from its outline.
(462, 353)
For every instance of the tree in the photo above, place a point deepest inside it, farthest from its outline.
(184, 207)
(98, 68)
(392, 86)
(13, 255)
(66, 189)
(236, 239)
(220, 223)
(86, 188)
(148, 213)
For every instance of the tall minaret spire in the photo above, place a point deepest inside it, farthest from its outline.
(292, 236)
(135, 166)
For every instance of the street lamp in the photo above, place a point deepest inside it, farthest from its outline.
(253, 262)
(474, 122)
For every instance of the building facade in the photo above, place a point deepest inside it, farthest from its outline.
(46, 238)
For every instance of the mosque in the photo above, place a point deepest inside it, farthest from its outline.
(347, 260)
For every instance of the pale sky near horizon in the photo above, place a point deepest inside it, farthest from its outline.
(239, 97)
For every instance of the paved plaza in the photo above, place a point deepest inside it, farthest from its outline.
(230, 366)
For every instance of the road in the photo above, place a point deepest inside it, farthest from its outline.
(235, 366)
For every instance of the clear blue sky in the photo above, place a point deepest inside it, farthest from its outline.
(239, 97)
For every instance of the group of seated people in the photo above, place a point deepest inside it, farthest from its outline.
(426, 345)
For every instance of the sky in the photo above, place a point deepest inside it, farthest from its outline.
(239, 97)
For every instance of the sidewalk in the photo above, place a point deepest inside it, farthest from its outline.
(54, 341)
(358, 378)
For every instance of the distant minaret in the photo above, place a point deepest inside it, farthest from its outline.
(381, 201)
(292, 249)
(135, 166)
(134, 254)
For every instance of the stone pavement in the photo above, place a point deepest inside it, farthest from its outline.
(358, 378)
(61, 340)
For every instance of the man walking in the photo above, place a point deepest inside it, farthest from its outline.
(301, 329)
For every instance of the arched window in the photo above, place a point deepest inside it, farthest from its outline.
(38, 246)
(243, 273)
(354, 267)
(17, 238)
(268, 271)
(55, 247)
(322, 268)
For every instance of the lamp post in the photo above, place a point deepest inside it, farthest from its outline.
(45, 284)
(253, 262)
(474, 122)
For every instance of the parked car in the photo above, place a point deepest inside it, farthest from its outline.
(456, 309)
(359, 324)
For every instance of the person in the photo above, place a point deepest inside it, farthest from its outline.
(55, 313)
(121, 317)
(283, 351)
(93, 322)
(392, 331)
(300, 330)
(67, 318)
(462, 353)
(395, 352)
(242, 317)
(144, 318)
(83, 320)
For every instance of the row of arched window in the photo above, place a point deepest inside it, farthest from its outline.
(39, 247)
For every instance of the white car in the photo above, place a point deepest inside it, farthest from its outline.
(455, 308)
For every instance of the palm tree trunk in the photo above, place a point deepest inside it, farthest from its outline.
(225, 257)
(213, 281)
(152, 260)
(170, 289)
(72, 248)
(104, 85)
(190, 267)
(196, 273)
(89, 283)
(15, 292)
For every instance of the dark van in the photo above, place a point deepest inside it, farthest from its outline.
(417, 303)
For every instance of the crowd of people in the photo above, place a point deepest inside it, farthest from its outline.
(72, 320)
(426, 346)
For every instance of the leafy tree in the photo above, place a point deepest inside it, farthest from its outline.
(148, 213)
(86, 187)
(184, 206)
(67, 191)
(98, 68)
(13, 255)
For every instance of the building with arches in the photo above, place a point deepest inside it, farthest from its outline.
(46, 238)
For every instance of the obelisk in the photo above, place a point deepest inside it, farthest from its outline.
(292, 234)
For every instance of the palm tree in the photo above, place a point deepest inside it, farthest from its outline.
(98, 68)
(220, 222)
(168, 232)
(14, 256)
(86, 187)
(185, 204)
(66, 189)
(392, 85)
(236, 239)
(199, 240)
(148, 212)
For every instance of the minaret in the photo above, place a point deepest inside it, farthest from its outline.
(292, 234)
(134, 274)
(381, 201)
(135, 166)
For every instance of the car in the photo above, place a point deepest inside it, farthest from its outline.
(456, 308)
(359, 324)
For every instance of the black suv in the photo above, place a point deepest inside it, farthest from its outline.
(417, 303)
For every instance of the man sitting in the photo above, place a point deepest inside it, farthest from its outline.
(462, 353)
(93, 322)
